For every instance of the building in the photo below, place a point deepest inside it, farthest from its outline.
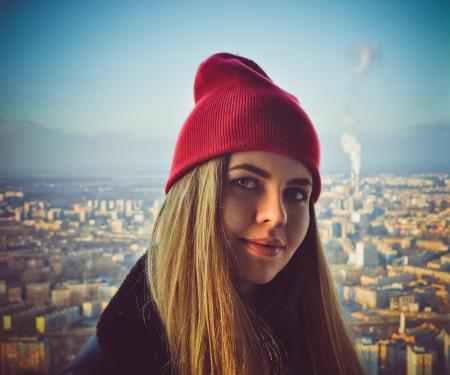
(3, 289)
(5, 315)
(446, 341)
(37, 293)
(64, 346)
(366, 255)
(92, 309)
(432, 245)
(116, 226)
(373, 298)
(336, 229)
(22, 321)
(57, 321)
(420, 361)
(103, 206)
(78, 293)
(369, 348)
(24, 355)
(440, 276)
(404, 302)
(14, 293)
(390, 358)
(61, 297)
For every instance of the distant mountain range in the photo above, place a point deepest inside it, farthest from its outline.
(30, 149)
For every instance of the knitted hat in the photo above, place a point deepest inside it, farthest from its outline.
(239, 108)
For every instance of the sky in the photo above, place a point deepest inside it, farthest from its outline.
(95, 68)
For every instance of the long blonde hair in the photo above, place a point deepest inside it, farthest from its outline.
(209, 326)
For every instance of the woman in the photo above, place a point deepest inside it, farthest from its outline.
(235, 281)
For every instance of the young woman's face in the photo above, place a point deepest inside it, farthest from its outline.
(265, 212)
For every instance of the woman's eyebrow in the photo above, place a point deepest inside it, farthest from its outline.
(263, 173)
(300, 181)
(252, 168)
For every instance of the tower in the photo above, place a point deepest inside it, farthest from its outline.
(402, 326)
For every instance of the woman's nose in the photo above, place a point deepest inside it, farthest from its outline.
(271, 209)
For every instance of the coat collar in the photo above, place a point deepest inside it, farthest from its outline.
(130, 332)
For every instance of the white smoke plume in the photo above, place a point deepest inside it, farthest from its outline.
(367, 57)
(349, 121)
(352, 147)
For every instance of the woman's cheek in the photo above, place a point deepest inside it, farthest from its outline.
(237, 214)
(298, 223)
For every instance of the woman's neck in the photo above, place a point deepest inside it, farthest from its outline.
(247, 289)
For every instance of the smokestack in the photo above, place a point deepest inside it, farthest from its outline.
(352, 147)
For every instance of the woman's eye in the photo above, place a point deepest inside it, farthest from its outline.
(246, 183)
(297, 195)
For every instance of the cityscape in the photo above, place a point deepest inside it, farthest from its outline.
(66, 245)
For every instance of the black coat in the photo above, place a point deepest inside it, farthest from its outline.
(130, 338)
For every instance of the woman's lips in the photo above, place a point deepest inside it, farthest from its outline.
(268, 250)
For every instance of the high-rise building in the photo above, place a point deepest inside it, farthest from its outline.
(366, 255)
(419, 361)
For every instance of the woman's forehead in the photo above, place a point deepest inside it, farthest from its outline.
(272, 163)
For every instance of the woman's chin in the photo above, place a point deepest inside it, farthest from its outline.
(258, 279)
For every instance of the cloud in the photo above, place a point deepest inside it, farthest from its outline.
(349, 121)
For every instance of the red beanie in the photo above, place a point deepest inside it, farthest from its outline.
(239, 108)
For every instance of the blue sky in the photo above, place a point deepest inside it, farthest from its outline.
(128, 67)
